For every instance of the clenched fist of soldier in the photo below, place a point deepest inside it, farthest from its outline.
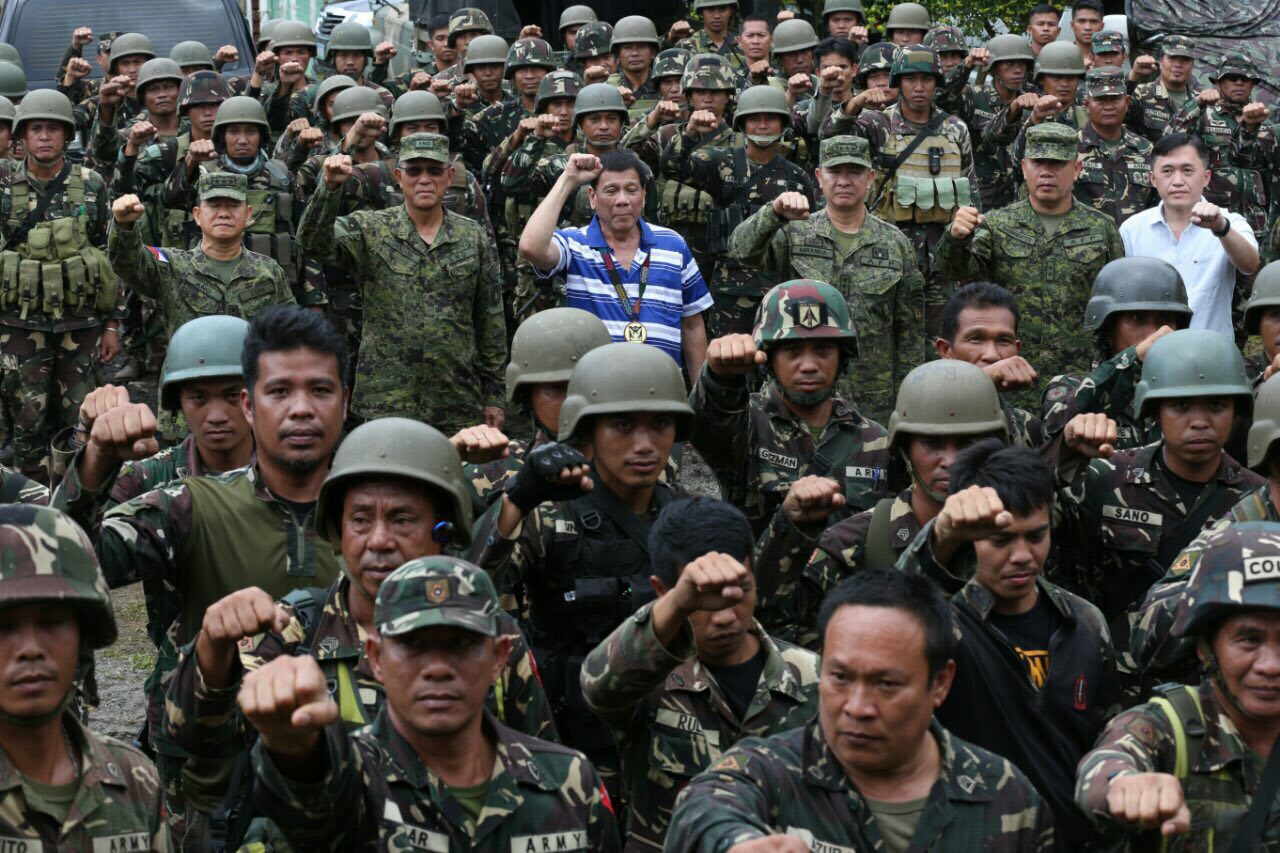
(288, 702)
(1150, 800)
(812, 499)
(966, 222)
(127, 209)
(735, 355)
(337, 169)
(791, 205)
(244, 613)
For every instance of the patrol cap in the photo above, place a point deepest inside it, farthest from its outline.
(432, 592)
(1104, 83)
(1051, 141)
(223, 185)
(844, 150)
(1175, 45)
(1237, 65)
(424, 146)
(1107, 41)
(105, 40)
(1236, 568)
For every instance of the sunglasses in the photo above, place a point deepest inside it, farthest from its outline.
(434, 171)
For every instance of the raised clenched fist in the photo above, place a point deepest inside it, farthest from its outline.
(337, 169)
(966, 222)
(127, 209)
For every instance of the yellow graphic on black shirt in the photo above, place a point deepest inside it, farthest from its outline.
(1037, 661)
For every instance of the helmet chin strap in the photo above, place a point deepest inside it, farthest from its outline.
(934, 495)
(550, 432)
(764, 141)
(807, 398)
(1210, 663)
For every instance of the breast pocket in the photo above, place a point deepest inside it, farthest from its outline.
(682, 754)
(1086, 250)
(814, 262)
(1013, 245)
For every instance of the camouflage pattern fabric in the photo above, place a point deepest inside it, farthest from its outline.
(1152, 108)
(991, 130)
(1115, 179)
(1241, 159)
(700, 43)
(139, 476)
(29, 492)
(1107, 389)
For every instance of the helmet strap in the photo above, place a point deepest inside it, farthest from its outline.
(1209, 661)
(764, 141)
(933, 494)
(807, 398)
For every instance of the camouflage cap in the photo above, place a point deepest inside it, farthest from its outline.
(946, 39)
(105, 40)
(1108, 41)
(424, 146)
(1174, 45)
(1236, 65)
(1051, 141)
(844, 150)
(1104, 83)
(1234, 567)
(436, 591)
(223, 185)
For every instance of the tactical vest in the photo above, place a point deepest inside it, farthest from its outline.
(739, 203)
(270, 230)
(928, 187)
(56, 270)
(177, 227)
(682, 205)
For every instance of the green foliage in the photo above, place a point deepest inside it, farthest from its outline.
(975, 17)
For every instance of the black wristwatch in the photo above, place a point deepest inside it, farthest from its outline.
(1226, 226)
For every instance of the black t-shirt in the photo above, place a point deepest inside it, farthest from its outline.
(1188, 490)
(1029, 634)
(739, 681)
(300, 509)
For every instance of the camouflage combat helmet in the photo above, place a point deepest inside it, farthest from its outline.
(1238, 65)
(760, 99)
(44, 104)
(946, 39)
(804, 309)
(708, 71)
(1192, 363)
(876, 57)
(594, 39)
(625, 377)
(265, 31)
(202, 348)
(915, 59)
(468, 20)
(556, 85)
(48, 558)
(293, 34)
(13, 81)
(794, 34)
(332, 85)
(415, 106)
(488, 50)
(1237, 568)
(1265, 428)
(7, 111)
(1136, 284)
(599, 98)
(202, 87)
(706, 4)
(832, 6)
(1061, 58)
(350, 36)
(547, 346)
(129, 44)
(1266, 294)
(155, 70)
(525, 53)
(355, 102)
(576, 16)
(947, 397)
(9, 53)
(908, 16)
(396, 447)
(435, 592)
(191, 54)
(672, 62)
(241, 110)
(634, 29)
(1010, 48)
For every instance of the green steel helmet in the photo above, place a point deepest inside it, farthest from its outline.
(331, 85)
(404, 448)
(154, 70)
(487, 50)
(804, 309)
(556, 85)
(947, 397)
(417, 105)
(708, 71)
(625, 377)
(435, 592)
(908, 16)
(599, 98)
(468, 20)
(1136, 284)
(129, 44)
(794, 34)
(202, 348)
(833, 6)
(946, 39)
(202, 87)
(705, 4)
(1061, 58)
(192, 53)
(915, 59)
(672, 62)
(1236, 64)
(576, 16)
(265, 31)
(9, 53)
(7, 110)
(524, 53)
(241, 110)
(293, 34)
(594, 39)
(635, 29)
(13, 81)
(1191, 363)
(49, 559)
(547, 346)
(1236, 569)
(1265, 428)
(876, 57)
(350, 36)
(355, 102)
(1266, 294)
(1010, 48)
(761, 99)
(42, 104)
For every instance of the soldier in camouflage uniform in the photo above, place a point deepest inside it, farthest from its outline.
(1059, 71)
(869, 261)
(65, 787)
(1050, 272)
(293, 46)
(740, 180)
(657, 678)
(795, 791)
(157, 90)
(1132, 301)
(1115, 162)
(465, 26)
(634, 45)
(129, 52)
(1262, 318)
(73, 77)
(485, 70)
(1154, 104)
(350, 50)
(670, 72)
(797, 426)
(1005, 94)
(423, 59)
(1186, 764)
(717, 35)
(593, 48)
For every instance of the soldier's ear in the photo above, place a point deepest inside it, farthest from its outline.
(942, 683)
(502, 651)
(373, 652)
(658, 586)
(942, 347)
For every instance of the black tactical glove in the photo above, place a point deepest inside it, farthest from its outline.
(535, 482)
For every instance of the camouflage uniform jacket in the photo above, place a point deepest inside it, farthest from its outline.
(998, 172)
(757, 447)
(489, 479)
(86, 115)
(145, 174)
(137, 477)
(879, 278)
(1225, 774)
(1151, 109)
(25, 491)
(379, 794)
(187, 286)
(116, 807)
(108, 138)
(302, 104)
(434, 338)
(700, 43)
(481, 136)
(85, 87)
(1242, 159)
(1116, 181)
(792, 783)
(671, 719)
(1254, 366)
(1108, 390)
(1052, 277)
(533, 170)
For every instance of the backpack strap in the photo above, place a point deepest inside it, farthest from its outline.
(306, 603)
(878, 553)
(1180, 705)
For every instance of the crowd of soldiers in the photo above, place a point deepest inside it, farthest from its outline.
(995, 557)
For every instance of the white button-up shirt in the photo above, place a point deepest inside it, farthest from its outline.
(1206, 270)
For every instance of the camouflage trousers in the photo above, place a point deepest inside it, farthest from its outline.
(188, 828)
(145, 340)
(45, 376)
(937, 290)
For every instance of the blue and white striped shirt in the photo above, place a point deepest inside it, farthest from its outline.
(675, 290)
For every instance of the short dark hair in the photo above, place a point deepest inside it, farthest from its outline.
(759, 19)
(689, 528)
(623, 160)
(1165, 145)
(978, 294)
(288, 327)
(437, 22)
(1043, 9)
(1020, 477)
(907, 591)
(844, 47)
(1087, 5)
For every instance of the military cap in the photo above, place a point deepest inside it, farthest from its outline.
(105, 40)
(1051, 141)
(1104, 83)
(842, 150)
(432, 592)
(1174, 45)
(223, 185)
(1237, 65)
(1107, 41)
(424, 146)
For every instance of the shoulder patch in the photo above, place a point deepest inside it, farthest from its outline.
(160, 254)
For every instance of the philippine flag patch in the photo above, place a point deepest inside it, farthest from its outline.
(159, 253)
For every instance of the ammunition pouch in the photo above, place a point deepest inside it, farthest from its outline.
(682, 204)
(923, 200)
(57, 271)
(720, 224)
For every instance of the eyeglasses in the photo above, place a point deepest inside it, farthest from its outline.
(435, 171)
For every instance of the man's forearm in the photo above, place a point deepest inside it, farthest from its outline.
(1243, 254)
(535, 243)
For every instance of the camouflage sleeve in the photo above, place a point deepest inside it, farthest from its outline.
(1140, 740)
(1003, 130)
(908, 312)
(144, 538)
(518, 169)
(722, 423)
(760, 242)
(495, 163)
(148, 171)
(299, 107)
(523, 704)
(509, 559)
(100, 219)
(602, 823)
(133, 263)
(124, 181)
(179, 192)
(1187, 119)
(967, 259)
(490, 328)
(619, 673)
(380, 72)
(950, 96)
(71, 53)
(104, 137)
(687, 161)
(325, 237)
(1157, 652)
(84, 506)
(728, 804)
(782, 552)
(643, 140)
(1252, 147)
(918, 558)
(31, 491)
(1097, 392)
(1115, 245)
